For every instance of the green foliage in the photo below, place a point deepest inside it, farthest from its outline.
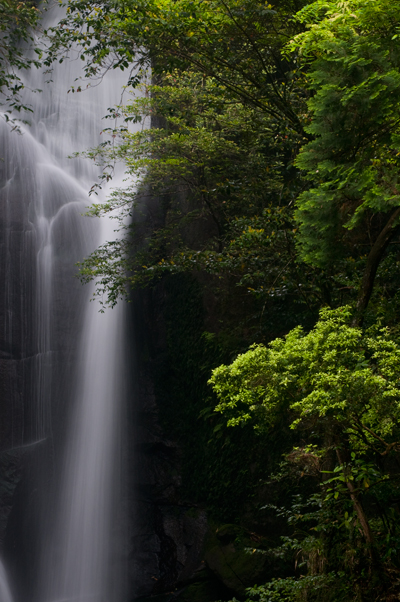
(292, 589)
(237, 42)
(232, 101)
(221, 171)
(352, 56)
(17, 23)
(221, 162)
(335, 378)
(339, 387)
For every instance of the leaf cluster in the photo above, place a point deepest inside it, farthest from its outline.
(352, 56)
(336, 378)
(18, 21)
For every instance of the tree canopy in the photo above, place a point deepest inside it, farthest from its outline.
(311, 89)
(336, 378)
(353, 55)
(339, 386)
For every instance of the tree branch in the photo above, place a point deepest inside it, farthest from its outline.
(374, 258)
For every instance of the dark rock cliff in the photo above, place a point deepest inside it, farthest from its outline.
(178, 550)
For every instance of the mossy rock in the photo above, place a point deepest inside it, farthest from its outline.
(205, 591)
(228, 533)
(231, 563)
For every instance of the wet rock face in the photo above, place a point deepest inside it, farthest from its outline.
(172, 541)
(10, 471)
(176, 552)
(231, 562)
(168, 535)
(16, 344)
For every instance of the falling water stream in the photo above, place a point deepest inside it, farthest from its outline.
(77, 360)
(5, 593)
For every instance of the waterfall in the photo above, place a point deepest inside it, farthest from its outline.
(5, 593)
(73, 369)
(83, 536)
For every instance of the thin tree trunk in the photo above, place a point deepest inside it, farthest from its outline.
(360, 513)
(357, 507)
(374, 258)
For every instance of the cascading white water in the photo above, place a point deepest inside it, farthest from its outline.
(5, 593)
(76, 556)
(84, 536)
